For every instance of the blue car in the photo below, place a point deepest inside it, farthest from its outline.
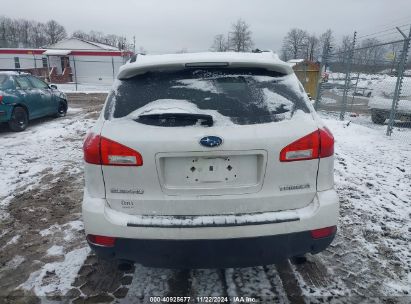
(24, 97)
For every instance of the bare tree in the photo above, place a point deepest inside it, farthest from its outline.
(54, 32)
(343, 49)
(120, 42)
(371, 54)
(312, 47)
(23, 27)
(80, 35)
(220, 44)
(37, 36)
(240, 37)
(27, 33)
(295, 43)
(327, 40)
(285, 55)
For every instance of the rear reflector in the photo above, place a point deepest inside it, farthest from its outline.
(99, 150)
(317, 144)
(323, 232)
(99, 240)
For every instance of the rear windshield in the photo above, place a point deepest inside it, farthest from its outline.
(239, 96)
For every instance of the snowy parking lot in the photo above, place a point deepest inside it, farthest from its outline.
(44, 254)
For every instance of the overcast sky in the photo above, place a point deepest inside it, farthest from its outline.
(170, 25)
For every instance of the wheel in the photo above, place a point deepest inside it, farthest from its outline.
(369, 94)
(378, 118)
(62, 109)
(19, 119)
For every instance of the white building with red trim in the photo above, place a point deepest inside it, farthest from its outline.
(69, 60)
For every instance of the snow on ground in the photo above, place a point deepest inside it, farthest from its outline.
(42, 148)
(41, 177)
(57, 277)
(84, 88)
(55, 250)
(371, 254)
(148, 281)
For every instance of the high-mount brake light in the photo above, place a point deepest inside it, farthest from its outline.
(103, 151)
(317, 144)
(206, 64)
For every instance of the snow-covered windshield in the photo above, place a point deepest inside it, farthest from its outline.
(244, 96)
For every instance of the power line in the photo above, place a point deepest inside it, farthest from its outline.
(391, 23)
(383, 31)
(367, 47)
(394, 35)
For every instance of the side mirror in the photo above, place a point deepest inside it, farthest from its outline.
(53, 86)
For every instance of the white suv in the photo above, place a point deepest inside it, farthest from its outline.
(208, 160)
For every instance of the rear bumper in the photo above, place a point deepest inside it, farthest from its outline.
(255, 243)
(209, 253)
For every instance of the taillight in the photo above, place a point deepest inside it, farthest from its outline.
(100, 240)
(1, 99)
(317, 144)
(91, 149)
(327, 142)
(115, 154)
(323, 232)
(103, 151)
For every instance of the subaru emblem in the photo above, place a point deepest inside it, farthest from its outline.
(211, 141)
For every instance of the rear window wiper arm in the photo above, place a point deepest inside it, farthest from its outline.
(176, 119)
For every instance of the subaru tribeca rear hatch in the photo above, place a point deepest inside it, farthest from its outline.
(208, 151)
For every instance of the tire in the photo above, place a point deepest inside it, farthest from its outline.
(19, 119)
(369, 94)
(62, 109)
(378, 118)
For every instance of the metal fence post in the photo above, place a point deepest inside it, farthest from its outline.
(347, 77)
(323, 65)
(112, 66)
(75, 71)
(400, 78)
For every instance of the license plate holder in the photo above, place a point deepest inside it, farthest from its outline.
(211, 170)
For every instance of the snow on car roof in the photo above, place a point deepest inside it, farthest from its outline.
(145, 63)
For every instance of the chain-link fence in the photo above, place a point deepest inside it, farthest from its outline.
(369, 85)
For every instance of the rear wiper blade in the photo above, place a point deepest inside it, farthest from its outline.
(176, 119)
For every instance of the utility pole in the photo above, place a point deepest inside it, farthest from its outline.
(134, 44)
(347, 77)
(400, 78)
